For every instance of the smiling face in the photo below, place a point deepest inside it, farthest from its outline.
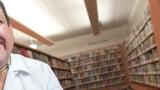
(6, 39)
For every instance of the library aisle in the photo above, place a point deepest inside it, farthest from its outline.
(92, 44)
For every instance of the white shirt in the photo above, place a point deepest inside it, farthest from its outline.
(28, 74)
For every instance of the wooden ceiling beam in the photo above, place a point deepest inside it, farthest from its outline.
(30, 32)
(91, 6)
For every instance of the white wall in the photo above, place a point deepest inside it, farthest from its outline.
(79, 44)
(137, 13)
(116, 35)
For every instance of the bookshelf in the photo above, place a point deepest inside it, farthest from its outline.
(98, 68)
(60, 67)
(143, 52)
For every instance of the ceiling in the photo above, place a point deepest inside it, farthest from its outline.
(63, 19)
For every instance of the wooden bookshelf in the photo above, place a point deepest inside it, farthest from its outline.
(67, 78)
(34, 50)
(60, 67)
(63, 69)
(98, 68)
(143, 50)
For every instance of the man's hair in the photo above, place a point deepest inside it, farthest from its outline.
(4, 11)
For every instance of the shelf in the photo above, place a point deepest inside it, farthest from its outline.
(67, 78)
(148, 49)
(94, 62)
(94, 87)
(143, 50)
(77, 66)
(115, 83)
(105, 85)
(139, 30)
(68, 87)
(107, 72)
(146, 84)
(97, 56)
(94, 71)
(147, 73)
(120, 76)
(63, 69)
(141, 42)
(38, 51)
(98, 68)
(146, 62)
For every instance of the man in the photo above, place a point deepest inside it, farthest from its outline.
(18, 72)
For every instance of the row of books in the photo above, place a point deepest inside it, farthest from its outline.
(110, 62)
(147, 43)
(152, 67)
(60, 64)
(40, 57)
(97, 65)
(85, 68)
(147, 79)
(142, 53)
(99, 82)
(90, 79)
(93, 53)
(95, 85)
(62, 73)
(144, 48)
(99, 52)
(107, 58)
(91, 86)
(66, 83)
(101, 73)
(111, 68)
(115, 80)
(106, 75)
(145, 32)
(91, 72)
(97, 78)
(150, 56)
(98, 60)
(105, 69)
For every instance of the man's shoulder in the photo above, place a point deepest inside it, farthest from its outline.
(40, 73)
(30, 63)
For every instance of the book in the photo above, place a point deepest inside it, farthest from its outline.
(94, 66)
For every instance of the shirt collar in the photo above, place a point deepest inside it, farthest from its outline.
(18, 64)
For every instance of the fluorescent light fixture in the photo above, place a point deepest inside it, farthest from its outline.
(34, 46)
(105, 10)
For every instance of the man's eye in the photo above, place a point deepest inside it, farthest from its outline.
(1, 22)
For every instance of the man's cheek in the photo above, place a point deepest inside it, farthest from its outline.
(3, 53)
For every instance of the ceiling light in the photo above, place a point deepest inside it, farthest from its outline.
(34, 46)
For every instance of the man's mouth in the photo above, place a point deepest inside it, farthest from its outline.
(2, 42)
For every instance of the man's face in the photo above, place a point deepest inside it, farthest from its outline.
(6, 39)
